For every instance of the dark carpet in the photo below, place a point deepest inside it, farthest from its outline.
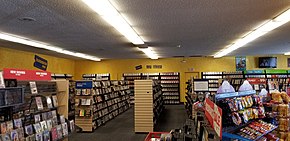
(122, 127)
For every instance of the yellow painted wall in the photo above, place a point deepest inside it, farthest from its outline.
(117, 67)
(11, 58)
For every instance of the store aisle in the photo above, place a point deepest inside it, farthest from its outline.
(122, 127)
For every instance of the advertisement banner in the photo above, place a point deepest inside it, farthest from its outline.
(213, 114)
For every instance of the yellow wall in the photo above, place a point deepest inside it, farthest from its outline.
(10, 58)
(117, 67)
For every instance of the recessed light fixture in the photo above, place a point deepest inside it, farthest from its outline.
(148, 51)
(256, 33)
(36, 44)
(179, 46)
(108, 12)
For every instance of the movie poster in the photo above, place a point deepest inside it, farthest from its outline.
(240, 63)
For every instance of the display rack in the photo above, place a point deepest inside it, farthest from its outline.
(148, 104)
(97, 102)
(213, 80)
(170, 82)
(44, 110)
(71, 100)
(98, 76)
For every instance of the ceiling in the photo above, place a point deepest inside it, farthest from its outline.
(201, 27)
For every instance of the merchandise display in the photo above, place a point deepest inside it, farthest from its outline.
(32, 120)
(97, 102)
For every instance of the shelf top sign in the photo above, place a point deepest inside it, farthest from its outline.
(21, 74)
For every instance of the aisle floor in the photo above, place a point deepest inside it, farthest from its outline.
(122, 127)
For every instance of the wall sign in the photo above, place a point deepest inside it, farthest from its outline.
(138, 67)
(213, 114)
(40, 63)
(84, 84)
(157, 66)
(20, 74)
(148, 66)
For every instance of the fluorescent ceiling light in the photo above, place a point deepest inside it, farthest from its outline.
(36, 44)
(149, 52)
(256, 33)
(107, 11)
(287, 53)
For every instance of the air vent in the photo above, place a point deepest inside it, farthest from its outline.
(27, 19)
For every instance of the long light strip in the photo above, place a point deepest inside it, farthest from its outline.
(36, 44)
(107, 11)
(148, 51)
(256, 33)
(287, 53)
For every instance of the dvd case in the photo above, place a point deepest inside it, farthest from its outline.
(49, 102)
(39, 104)
(54, 100)
(33, 87)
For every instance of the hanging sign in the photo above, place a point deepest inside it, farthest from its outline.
(213, 114)
(20, 74)
(40, 63)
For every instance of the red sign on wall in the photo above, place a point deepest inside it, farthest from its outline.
(213, 114)
(20, 74)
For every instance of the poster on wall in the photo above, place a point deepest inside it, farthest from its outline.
(240, 63)
(288, 62)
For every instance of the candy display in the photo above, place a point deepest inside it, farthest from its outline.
(255, 130)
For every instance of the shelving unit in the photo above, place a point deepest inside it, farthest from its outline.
(148, 104)
(130, 77)
(71, 100)
(170, 82)
(97, 102)
(98, 76)
(56, 76)
(170, 87)
(213, 80)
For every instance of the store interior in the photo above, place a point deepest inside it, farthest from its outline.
(144, 70)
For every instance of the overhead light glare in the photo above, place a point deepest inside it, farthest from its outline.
(36, 44)
(107, 11)
(149, 52)
(287, 53)
(256, 33)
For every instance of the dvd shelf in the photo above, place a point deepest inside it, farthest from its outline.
(43, 115)
(170, 82)
(170, 87)
(149, 104)
(55, 76)
(71, 100)
(97, 102)
(98, 76)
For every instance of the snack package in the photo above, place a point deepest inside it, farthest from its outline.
(283, 110)
(226, 87)
(283, 124)
(276, 96)
(285, 97)
(246, 86)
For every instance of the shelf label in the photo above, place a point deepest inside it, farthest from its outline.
(20, 74)
(84, 84)
(213, 114)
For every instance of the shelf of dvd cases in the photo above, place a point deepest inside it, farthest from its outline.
(169, 82)
(98, 76)
(97, 102)
(39, 117)
(149, 104)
